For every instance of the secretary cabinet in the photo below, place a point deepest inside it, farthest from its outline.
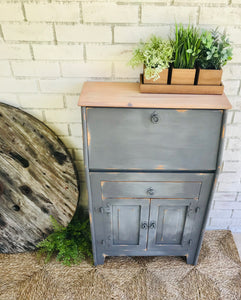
(151, 162)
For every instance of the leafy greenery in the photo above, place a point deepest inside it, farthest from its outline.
(186, 46)
(155, 54)
(215, 50)
(70, 244)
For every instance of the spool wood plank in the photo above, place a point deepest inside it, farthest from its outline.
(37, 179)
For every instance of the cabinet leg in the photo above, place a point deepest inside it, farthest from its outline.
(191, 259)
(100, 259)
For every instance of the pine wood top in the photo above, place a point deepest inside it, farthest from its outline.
(127, 94)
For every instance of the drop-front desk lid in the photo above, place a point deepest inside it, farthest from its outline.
(127, 94)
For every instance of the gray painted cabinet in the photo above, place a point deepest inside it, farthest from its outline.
(150, 174)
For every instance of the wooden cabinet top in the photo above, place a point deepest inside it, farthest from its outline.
(127, 94)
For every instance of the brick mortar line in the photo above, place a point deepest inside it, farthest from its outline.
(1, 32)
(139, 13)
(60, 69)
(81, 17)
(112, 70)
(198, 16)
(84, 53)
(69, 129)
(112, 34)
(23, 12)
(11, 68)
(239, 88)
(185, 4)
(44, 116)
(31, 52)
(106, 24)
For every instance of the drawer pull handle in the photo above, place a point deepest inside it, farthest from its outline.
(144, 225)
(153, 225)
(154, 117)
(150, 191)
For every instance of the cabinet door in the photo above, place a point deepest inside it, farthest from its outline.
(126, 224)
(170, 223)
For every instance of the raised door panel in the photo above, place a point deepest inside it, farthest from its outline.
(124, 224)
(149, 139)
(170, 224)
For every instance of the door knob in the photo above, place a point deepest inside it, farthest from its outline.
(152, 225)
(144, 225)
(150, 191)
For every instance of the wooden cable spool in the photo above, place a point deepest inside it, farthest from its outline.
(37, 179)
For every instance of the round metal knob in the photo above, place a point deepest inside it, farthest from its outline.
(150, 191)
(153, 225)
(154, 117)
(144, 225)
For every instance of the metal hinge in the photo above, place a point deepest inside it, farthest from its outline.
(189, 210)
(103, 209)
(190, 242)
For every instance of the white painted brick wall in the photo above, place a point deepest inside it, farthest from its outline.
(14, 51)
(220, 16)
(28, 32)
(89, 69)
(58, 52)
(133, 34)
(5, 70)
(36, 69)
(109, 52)
(63, 115)
(98, 12)
(41, 101)
(18, 85)
(11, 12)
(83, 33)
(60, 85)
(61, 129)
(168, 14)
(52, 12)
(49, 48)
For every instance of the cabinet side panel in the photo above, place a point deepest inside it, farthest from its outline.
(218, 167)
(86, 166)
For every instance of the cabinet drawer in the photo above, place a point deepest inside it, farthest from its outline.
(150, 189)
(148, 185)
(149, 139)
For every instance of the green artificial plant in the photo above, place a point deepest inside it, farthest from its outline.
(155, 54)
(186, 46)
(70, 244)
(216, 50)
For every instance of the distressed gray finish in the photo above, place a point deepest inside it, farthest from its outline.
(147, 188)
(137, 206)
(37, 179)
(174, 220)
(153, 139)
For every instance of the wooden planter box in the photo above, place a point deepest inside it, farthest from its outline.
(180, 88)
(209, 77)
(162, 80)
(183, 76)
